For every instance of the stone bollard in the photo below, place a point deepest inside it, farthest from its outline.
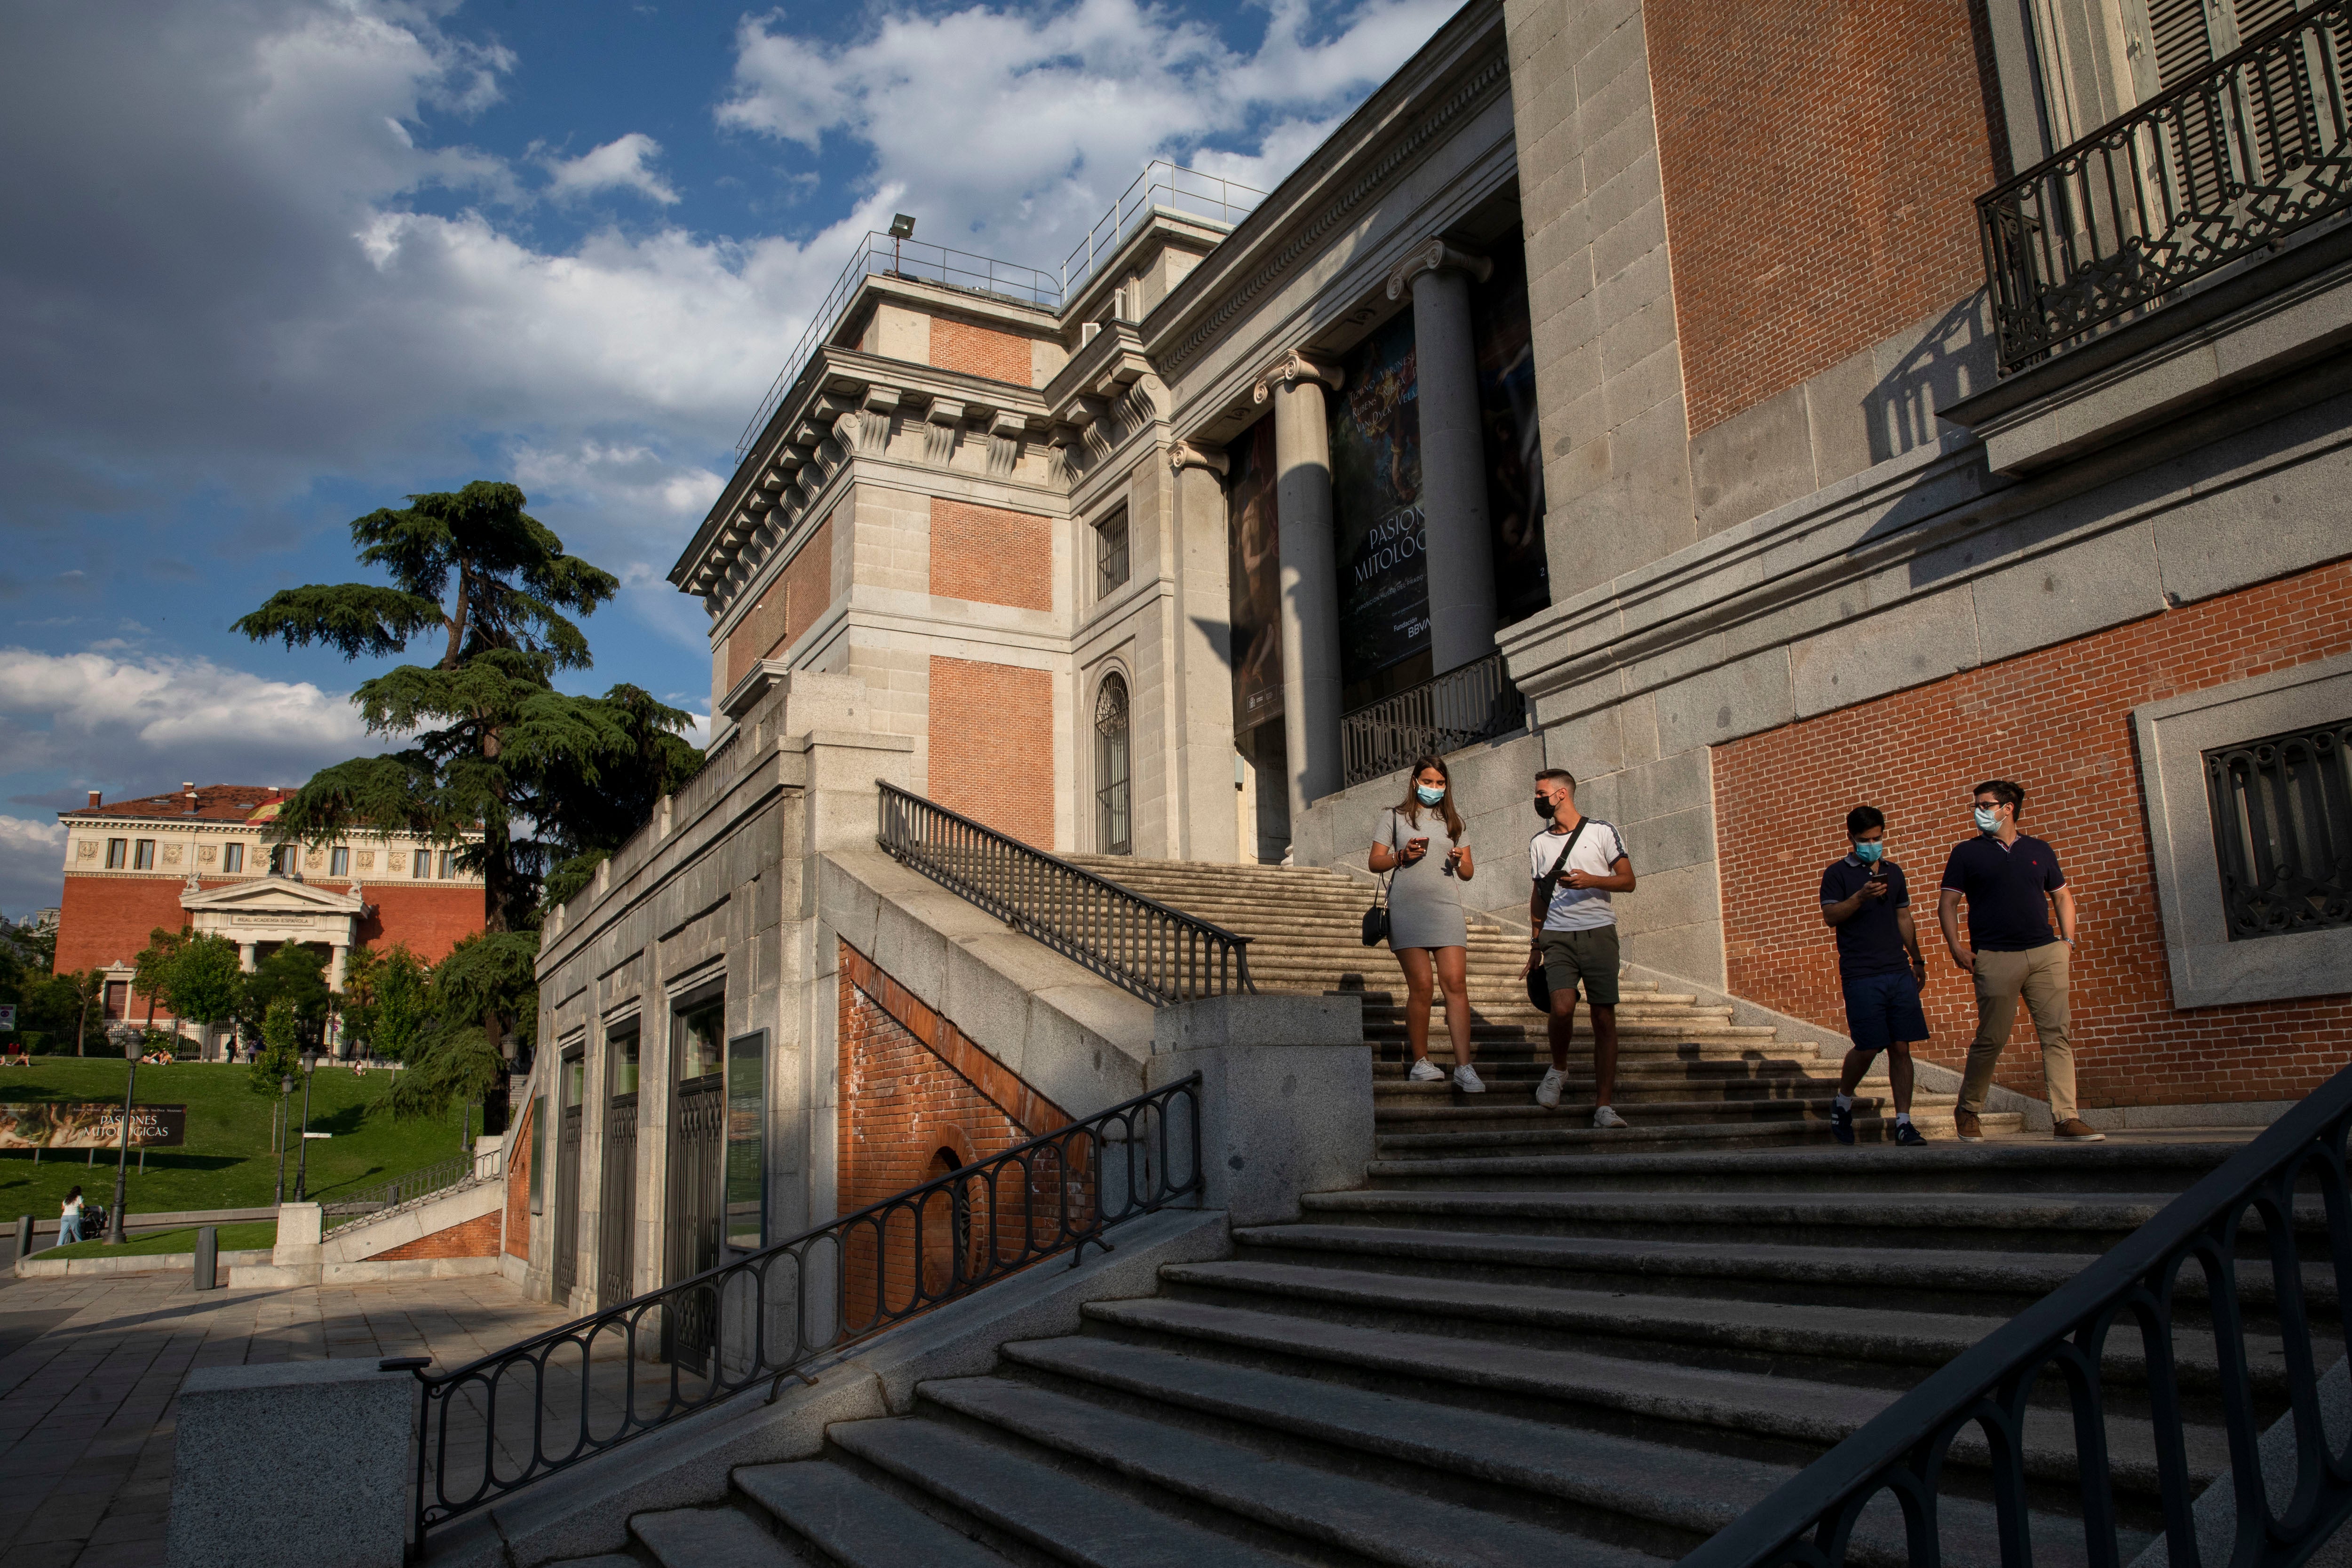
(345, 1505)
(207, 1257)
(1285, 1091)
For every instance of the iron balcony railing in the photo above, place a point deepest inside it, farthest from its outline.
(1876, 1497)
(2208, 173)
(878, 255)
(1163, 954)
(1461, 708)
(535, 1408)
(1162, 186)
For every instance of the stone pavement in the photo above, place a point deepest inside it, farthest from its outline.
(89, 1370)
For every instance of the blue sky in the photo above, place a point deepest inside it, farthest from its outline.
(274, 263)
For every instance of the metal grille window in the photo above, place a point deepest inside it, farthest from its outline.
(2283, 831)
(1110, 553)
(1115, 826)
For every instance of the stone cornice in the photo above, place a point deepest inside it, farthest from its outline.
(1293, 368)
(1436, 255)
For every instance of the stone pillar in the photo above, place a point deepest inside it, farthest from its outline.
(1204, 827)
(1459, 545)
(244, 956)
(1310, 576)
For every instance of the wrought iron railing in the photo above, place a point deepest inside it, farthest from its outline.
(409, 1186)
(1162, 186)
(1475, 702)
(1163, 954)
(2283, 831)
(1898, 1461)
(878, 254)
(538, 1407)
(2214, 170)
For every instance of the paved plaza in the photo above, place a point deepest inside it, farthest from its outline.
(90, 1369)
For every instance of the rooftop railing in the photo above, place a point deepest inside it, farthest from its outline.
(2213, 170)
(1162, 186)
(878, 255)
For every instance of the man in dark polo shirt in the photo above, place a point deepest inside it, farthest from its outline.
(2012, 883)
(1867, 901)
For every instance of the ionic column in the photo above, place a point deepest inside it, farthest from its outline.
(1460, 547)
(1310, 575)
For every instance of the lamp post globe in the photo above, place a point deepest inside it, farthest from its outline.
(123, 1149)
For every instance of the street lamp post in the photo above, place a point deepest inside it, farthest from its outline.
(303, 1160)
(285, 1093)
(122, 1150)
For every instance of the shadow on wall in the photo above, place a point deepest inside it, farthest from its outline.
(1952, 358)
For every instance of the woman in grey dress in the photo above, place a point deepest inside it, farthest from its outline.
(1422, 842)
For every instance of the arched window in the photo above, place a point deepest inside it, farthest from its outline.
(1114, 823)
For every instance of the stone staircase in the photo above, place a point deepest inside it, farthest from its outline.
(1686, 1073)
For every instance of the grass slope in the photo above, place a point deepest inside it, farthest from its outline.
(228, 1162)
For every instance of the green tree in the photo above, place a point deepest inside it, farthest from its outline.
(281, 1045)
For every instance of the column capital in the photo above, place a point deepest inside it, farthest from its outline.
(1183, 455)
(1436, 255)
(1293, 368)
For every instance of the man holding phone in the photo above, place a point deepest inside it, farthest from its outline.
(2012, 883)
(1866, 900)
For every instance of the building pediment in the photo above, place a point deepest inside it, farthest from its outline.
(273, 896)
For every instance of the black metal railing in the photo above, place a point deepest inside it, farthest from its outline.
(1461, 708)
(404, 1188)
(2211, 171)
(1163, 954)
(538, 1407)
(2283, 831)
(2058, 1356)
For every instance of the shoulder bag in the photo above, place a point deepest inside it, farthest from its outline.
(1538, 984)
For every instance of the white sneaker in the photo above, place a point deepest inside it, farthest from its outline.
(1548, 1091)
(1603, 1116)
(1425, 1071)
(1466, 1078)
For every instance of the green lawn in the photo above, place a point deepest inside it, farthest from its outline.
(228, 1162)
(232, 1239)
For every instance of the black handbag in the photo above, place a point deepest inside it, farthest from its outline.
(1539, 982)
(1376, 918)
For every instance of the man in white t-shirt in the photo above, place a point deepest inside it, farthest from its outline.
(1576, 933)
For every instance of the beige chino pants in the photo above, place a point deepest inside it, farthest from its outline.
(2039, 974)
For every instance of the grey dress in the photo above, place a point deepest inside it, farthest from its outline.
(1424, 901)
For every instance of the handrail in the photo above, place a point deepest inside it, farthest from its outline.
(1162, 954)
(1461, 708)
(1161, 178)
(878, 254)
(1810, 1519)
(538, 1407)
(2214, 170)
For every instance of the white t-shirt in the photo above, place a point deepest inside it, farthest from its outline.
(1598, 849)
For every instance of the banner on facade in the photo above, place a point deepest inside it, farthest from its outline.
(1254, 536)
(1377, 520)
(1506, 408)
(57, 1125)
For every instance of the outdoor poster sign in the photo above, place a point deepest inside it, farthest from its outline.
(59, 1125)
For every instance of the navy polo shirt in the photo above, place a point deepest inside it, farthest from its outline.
(2008, 889)
(1869, 942)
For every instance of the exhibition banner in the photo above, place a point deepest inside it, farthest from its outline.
(58, 1125)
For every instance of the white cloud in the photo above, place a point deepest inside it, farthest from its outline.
(618, 166)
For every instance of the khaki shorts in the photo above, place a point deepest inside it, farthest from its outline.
(1590, 956)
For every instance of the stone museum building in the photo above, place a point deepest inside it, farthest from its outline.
(1755, 409)
(208, 860)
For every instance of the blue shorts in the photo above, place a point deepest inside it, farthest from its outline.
(1882, 1010)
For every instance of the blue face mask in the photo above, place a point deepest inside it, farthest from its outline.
(1988, 819)
(1868, 854)
(1427, 795)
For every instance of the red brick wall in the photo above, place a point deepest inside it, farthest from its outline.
(1000, 771)
(2058, 722)
(518, 1227)
(976, 350)
(477, 1237)
(993, 556)
(911, 1083)
(1821, 159)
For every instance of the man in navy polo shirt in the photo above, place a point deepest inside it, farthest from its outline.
(2012, 883)
(1866, 900)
